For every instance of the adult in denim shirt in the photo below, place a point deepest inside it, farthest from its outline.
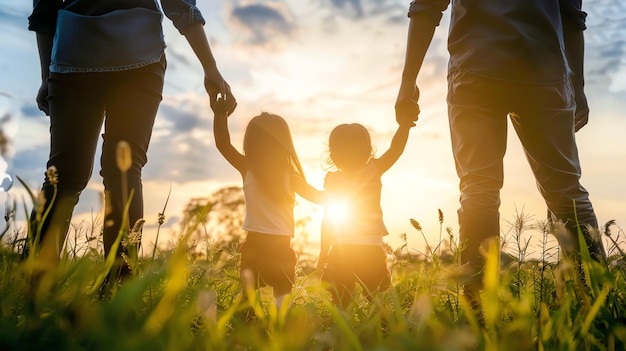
(507, 58)
(103, 62)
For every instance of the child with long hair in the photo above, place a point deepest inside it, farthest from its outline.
(272, 174)
(352, 246)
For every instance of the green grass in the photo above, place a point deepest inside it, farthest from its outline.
(180, 299)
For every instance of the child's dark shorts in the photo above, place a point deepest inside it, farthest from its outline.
(362, 264)
(268, 259)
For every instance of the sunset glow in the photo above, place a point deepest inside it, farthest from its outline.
(337, 211)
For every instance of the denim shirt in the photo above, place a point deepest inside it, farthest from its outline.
(108, 35)
(516, 40)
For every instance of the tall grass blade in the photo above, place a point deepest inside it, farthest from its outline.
(111, 257)
(593, 312)
(346, 331)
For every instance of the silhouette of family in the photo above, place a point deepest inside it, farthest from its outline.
(103, 62)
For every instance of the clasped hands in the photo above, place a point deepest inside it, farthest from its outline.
(407, 108)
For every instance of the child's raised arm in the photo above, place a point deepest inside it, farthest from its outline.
(222, 136)
(396, 148)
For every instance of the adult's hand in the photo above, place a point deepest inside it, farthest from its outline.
(580, 119)
(220, 107)
(581, 116)
(407, 108)
(217, 87)
(42, 98)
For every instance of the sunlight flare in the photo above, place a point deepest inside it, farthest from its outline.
(337, 211)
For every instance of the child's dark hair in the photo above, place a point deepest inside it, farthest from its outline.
(269, 151)
(349, 146)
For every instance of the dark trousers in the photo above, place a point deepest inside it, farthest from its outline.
(268, 259)
(349, 265)
(543, 118)
(126, 102)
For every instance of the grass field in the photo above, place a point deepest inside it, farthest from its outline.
(184, 299)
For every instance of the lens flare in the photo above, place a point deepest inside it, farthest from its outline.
(337, 211)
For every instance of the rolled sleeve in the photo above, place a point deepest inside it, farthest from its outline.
(572, 14)
(429, 9)
(43, 19)
(182, 13)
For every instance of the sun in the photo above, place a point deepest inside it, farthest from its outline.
(337, 211)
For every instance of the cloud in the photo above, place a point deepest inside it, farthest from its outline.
(181, 119)
(30, 110)
(392, 10)
(182, 147)
(13, 16)
(350, 5)
(29, 164)
(182, 159)
(262, 23)
(605, 41)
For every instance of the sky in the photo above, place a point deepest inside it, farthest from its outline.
(319, 63)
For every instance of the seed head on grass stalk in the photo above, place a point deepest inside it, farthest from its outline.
(123, 156)
(52, 175)
(130, 244)
(42, 211)
(124, 159)
(418, 227)
(161, 220)
(440, 217)
(430, 254)
(615, 253)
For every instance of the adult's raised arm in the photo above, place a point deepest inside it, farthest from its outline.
(42, 21)
(44, 46)
(425, 17)
(214, 83)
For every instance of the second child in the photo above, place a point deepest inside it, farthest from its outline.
(352, 246)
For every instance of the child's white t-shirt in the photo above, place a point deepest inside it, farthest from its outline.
(264, 214)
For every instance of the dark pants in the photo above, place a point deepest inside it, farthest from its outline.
(543, 118)
(349, 265)
(126, 102)
(268, 259)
